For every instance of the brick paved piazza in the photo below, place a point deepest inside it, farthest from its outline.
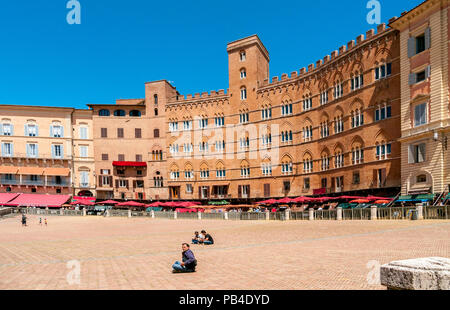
(123, 253)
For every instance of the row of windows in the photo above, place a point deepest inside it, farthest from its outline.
(121, 133)
(357, 157)
(382, 111)
(32, 130)
(132, 113)
(32, 150)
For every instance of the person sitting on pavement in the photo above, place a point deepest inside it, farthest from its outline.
(207, 240)
(188, 263)
(196, 238)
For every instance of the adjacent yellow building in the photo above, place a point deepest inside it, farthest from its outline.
(46, 150)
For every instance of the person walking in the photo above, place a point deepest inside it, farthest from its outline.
(40, 221)
(188, 263)
(45, 221)
(24, 220)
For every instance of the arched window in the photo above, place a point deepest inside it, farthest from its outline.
(135, 113)
(421, 178)
(119, 113)
(243, 73)
(155, 97)
(243, 93)
(156, 111)
(286, 165)
(307, 163)
(103, 112)
(220, 170)
(245, 169)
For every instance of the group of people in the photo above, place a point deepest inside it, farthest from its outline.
(188, 260)
(202, 238)
(24, 220)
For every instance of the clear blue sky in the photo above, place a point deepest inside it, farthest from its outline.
(120, 45)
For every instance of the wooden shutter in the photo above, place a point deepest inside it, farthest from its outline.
(427, 72)
(126, 184)
(248, 191)
(427, 38)
(383, 177)
(239, 191)
(200, 192)
(117, 183)
(412, 78)
(411, 47)
(266, 190)
(100, 181)
(375, 177)
(110, 181)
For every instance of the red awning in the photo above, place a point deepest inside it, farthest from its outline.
(7, 197)
(108, 202)
(82, 203)
(285, 201)
(129, 164)
(131, 204)
(36, 200)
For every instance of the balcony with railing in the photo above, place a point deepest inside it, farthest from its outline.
(37, 156)
(42, 181)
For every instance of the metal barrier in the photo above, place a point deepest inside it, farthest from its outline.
(277, 216)
(252, 216)
(73, 212)
(325, 215)
(213, 216)
(7, 211)
(188, 215)
(164, 215)
(123, 213)
(139, 213)
(300, 216)
(395, 213)
(436, 213)
(356, 214)
(234, 216)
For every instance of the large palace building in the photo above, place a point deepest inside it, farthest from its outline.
(370, 118)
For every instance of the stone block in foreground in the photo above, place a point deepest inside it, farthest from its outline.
(431, 273)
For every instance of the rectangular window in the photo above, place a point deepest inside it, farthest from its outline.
(56, 131)
(32, 131)
(356, 177)
(416, 153)
(121, 157)
(83, 133)
(138, 133)
(83, 151)
(420, 44)
(104, 156)
(139, 158)
(7, 149)
(104, 132)
(6, 130)
(57, 151)
(189, 188)
(32, 150)
(119, 132)
(420, 76)
(420, 114)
